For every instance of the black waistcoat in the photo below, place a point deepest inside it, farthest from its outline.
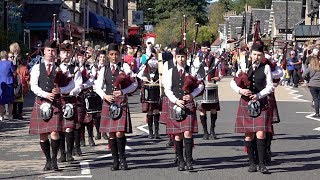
(170, 64)
(257, 78)
(109, 79)
(177, 83)
(45, 81)
(211, 65)
(152, 71)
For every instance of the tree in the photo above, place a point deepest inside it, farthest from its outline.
(216, 12)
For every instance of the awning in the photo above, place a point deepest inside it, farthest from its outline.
(118, 38)
(76, 30)
(96, 21)
(133, 30)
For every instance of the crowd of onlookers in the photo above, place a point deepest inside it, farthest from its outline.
(14, 79)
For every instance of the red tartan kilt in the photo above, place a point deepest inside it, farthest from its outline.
(164, 110)
(38, 125)
(245, 123)
(189, 124)
(274, 108)
(71, 122)
(123, 124)
(83, 117)
(208, 106)
(149, 106)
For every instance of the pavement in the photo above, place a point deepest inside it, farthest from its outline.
(295, 147)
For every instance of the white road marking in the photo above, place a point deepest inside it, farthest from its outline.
(68, 177)
(85, 168)
(141, 128)
(296, 96)
(317, 129)
(304, 112)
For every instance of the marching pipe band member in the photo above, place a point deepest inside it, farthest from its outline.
(149, 74)
(115, 115)
(181, 119)
(88, 72)
(46, 117)
(254, 116)
(101, 63)
(208, 62)
(168, 64)
(69, 103)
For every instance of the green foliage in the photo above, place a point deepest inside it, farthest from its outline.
(238, 5)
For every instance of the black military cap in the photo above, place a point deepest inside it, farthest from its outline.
(257, 47)
(103, 52)
(50, 44)
(113, 47)
(181, 51)
(65, 47)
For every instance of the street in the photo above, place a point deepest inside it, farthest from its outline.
(295, 148)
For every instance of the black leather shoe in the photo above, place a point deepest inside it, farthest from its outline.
(82, 143)
(77, 152)
(150, 136)
(181, 166)
(105, 136)
(123, 164)
(98, 136)
(213, 135)
(62, 157)
(54, 165)
(91, 141)
(205, 136)
(47, 166)
(115, 166)
(189, 166)
(69, 158)
(169, 143)
(252, 168)
(263, 169)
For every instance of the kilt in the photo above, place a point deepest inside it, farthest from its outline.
(83, 117)
(208, 106)
(164, 110)
(274, 108)
(245, 123)
(38, 125)
(189, 124)
(150, 106)
(108, 125)
(71, 122)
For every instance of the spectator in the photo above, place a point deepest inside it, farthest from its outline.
(6, 84)
(312, 74)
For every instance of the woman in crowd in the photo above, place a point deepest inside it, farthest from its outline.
(312, 74)
(6, 84)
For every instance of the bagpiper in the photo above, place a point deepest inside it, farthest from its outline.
(113, 85)
(181, 119)
(254, 117)
(46, 116)
(69, 103)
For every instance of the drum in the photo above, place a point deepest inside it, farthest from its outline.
(151, 93)
(210, 95)
(93, 102)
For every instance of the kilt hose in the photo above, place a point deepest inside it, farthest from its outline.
(108, 125)
(175, 127)
(38, 125)
(73, 121)
(245, 123)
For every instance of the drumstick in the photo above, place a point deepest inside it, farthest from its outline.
(160, 66)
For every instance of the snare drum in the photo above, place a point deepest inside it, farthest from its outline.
(93, 102)
(210, 95)
(151, 93)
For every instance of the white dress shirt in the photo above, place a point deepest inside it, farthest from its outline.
(167, 83)
(75, 82)
(34, 79)
(264, 92)
(100, 80)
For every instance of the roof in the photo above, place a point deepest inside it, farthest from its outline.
(234, 23)
(263, 16)
(294, 13)
(217, 42)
